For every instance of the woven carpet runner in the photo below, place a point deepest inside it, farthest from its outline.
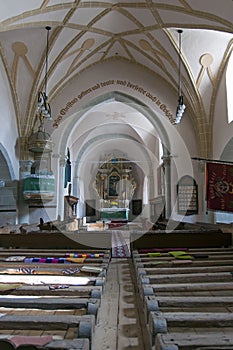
(119, 245)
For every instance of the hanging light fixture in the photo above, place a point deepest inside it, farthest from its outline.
(43, 105)
(181, 106)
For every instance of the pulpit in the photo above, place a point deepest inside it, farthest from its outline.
(38, 187)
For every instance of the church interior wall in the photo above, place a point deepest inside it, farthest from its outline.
(9, 132)
(9, 153)
(182, 137)
(116, 75)
(127, 78)
(183, 140)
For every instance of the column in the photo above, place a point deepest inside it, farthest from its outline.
(22, 205)
(60, 184)
(167, 170)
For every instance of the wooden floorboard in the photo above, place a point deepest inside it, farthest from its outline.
(119, 325)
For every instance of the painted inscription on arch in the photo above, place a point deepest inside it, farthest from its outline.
(63, 112)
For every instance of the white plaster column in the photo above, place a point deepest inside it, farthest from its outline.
(167, 170)
(76, 193)
(22, 205)
(60, 184)
(151, 194)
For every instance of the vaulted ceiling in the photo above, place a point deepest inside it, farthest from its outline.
(87, 33)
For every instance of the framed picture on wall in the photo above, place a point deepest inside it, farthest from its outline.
(187, 196)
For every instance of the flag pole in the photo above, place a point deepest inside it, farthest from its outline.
(212, 160)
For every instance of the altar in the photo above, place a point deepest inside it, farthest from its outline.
(114, 214)
(115, 186)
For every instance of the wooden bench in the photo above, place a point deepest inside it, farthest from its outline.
(91, 306)
(74, 269)
(192, 340)
(92, 265)
(82, 326)
(92, 292)
(225, 288)
(166, 269)
(165, 263)
(191, 303)
(104, 254)
(57, 240)
(180, 239)
(185, 298)
(186, 278)
(32, 343)
(36, 312)
(164, 322)
(77, 344)
(40, 300)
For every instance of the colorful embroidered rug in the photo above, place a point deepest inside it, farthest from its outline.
(120, 248)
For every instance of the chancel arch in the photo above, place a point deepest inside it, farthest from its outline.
(124, 170)
(104, 123)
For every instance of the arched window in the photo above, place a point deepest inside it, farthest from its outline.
(145, 190)
(229, 89)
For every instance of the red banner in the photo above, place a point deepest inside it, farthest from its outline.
(219, 186)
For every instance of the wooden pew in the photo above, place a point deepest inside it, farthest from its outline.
(182, 299)
(165, 322)
(180, 239)
(151, 254)
(187, 289)
(165, 269)
(202, 260)
(77, 344)
(76, 299)
(69, 316)
(60, 309)
(192, 340)
(90, 264)
(81, 326)
(55, 344)
(90, 292)
(105, 254)
(186, 303)
(90, 306)
(186, 278)
(57, 240)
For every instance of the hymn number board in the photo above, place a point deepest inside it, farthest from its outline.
(187, 193)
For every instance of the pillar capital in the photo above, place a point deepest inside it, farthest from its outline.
(167, 160)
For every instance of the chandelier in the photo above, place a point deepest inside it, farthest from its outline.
(44, 109)
(181, 106)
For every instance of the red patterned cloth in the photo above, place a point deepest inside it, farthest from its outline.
(32, 340)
